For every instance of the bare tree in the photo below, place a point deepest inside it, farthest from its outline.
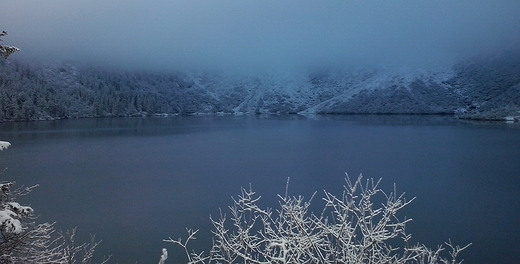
(350, 229)
(6, 51)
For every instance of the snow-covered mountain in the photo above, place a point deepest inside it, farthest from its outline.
(486, 88)
(331, 92)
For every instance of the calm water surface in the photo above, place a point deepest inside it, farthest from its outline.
(136, 181)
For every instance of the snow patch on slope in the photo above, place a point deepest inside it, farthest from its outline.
(384, 78)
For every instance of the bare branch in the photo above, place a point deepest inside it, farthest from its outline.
(350, 229)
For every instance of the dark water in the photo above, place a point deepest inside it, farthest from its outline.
(135, 181)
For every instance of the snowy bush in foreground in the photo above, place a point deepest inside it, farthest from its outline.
(24, 241)
(350, 229)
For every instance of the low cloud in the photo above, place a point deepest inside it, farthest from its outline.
(251, 36)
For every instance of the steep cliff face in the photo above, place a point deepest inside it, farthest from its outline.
(484, 88)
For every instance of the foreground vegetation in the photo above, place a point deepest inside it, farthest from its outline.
(360, 226)
(22, 240)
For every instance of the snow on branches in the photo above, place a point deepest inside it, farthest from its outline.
(11, 214)
(24, 241)
(6, 51)
(351, 228)
(4, 145)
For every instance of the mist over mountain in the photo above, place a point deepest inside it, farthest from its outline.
(482, 88)
(258, 37)
(142, 58)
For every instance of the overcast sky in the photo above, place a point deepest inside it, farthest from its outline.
(242, 35)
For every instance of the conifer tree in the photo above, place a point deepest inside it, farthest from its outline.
(6, 51)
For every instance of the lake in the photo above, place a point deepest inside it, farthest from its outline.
(133, 182)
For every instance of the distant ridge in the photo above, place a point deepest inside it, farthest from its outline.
(479, 88)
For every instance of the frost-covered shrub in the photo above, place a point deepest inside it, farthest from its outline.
(351, 228)
(24, 241)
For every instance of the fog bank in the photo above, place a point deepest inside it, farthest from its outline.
(251, 36)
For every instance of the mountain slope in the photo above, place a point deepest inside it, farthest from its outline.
(484, 88)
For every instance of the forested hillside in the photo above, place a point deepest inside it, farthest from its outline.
(41, 92)
(489, 87)
(484, 88)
